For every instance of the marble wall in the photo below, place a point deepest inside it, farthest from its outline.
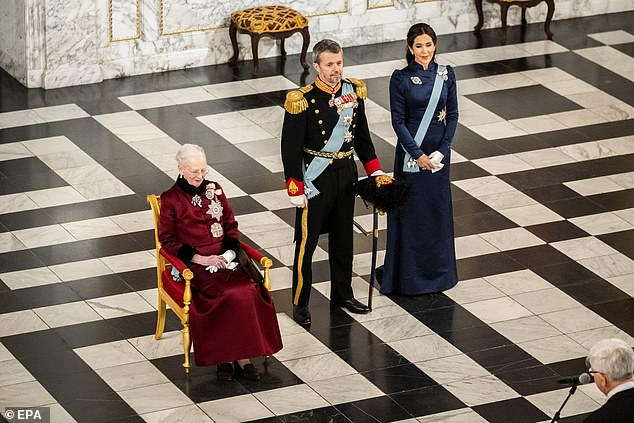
(57, 43)
(13, 39)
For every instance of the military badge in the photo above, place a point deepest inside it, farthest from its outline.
(347, 120)
(215, 209)
(197, 201)
(416, 80)
(216, 230)
(210, 191)
(347, 137)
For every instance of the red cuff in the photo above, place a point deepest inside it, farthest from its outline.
(372, 166)
(294, 187)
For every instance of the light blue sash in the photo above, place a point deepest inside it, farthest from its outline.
(319, 164)
(409, 164)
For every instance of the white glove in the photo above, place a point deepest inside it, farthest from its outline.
(378, 173)
(298, 200)
(435, 158)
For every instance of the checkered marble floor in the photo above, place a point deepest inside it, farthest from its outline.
(543, 187)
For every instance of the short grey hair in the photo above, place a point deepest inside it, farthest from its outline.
(189, 150)
(325, 45)
(612, 356)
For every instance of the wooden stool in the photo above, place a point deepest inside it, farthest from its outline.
(504, 7)
(277, 22)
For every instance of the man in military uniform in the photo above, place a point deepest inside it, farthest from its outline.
(324, 123)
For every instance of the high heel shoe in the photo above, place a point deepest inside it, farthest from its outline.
(225, 372)
(249, 371)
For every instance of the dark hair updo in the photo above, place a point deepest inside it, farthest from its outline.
(415, 31)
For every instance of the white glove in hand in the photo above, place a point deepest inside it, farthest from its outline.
(298, 200)
(378, 173)
(436, 158)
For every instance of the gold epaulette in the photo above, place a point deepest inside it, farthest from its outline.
(360, 88)
(296, 102)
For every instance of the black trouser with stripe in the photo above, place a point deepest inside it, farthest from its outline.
(330, 212)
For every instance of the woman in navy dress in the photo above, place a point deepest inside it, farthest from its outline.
(420, 256)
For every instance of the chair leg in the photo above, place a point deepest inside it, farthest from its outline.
(233, 35)
(160, 321)
(255, 40)
(478, 6)
(504, 8)
(187, 344)
(549, 17)
(302, 56)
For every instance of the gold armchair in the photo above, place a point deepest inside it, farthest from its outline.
(178, 295)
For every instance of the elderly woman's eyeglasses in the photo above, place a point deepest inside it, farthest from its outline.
(196, 171)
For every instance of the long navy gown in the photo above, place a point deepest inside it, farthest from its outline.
(420, 255)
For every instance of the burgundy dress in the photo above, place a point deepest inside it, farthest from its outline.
(231, 316)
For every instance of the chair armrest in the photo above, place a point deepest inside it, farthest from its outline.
(252, 252)
(174, 261)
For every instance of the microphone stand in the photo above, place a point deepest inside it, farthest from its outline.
(573, 389)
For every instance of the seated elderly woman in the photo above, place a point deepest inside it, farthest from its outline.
(232, 315)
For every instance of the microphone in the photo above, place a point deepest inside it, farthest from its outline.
(582, 379)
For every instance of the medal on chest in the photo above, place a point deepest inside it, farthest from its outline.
(343, 102)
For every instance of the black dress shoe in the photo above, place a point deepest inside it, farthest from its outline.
(352, 305)
(249, 371)
(225, 372)
(301, 315)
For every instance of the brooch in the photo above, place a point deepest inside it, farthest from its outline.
(442, 115)
(416, 80)
(215, 209)
(443, 74)
(197, 201)
(216, 230)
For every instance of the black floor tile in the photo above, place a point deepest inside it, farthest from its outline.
(522, 143)
(615, 311)
(108, 408)
(399, 379)
(319, 415)
(553, 192)
(469, 206)
(89, 333)
(564, 273)
(340, 338)
(575, 207)
(523, 102)
(473, 146)
(448, 319)
(201, 384)
(520, 408)
(483, 222)
(504, 358)
(530, 179)
(365, 358)
(615, 200)
(466, 170)
(485, 265)
(19, 260)
(530, 380)
(622, 241)
(627, 48)
(421, 303)
(47, 295)
(380, 409)
(540, 255)
(99, 286)
(594, 291)
(557, 231)
(477, 338)
(425, 401)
